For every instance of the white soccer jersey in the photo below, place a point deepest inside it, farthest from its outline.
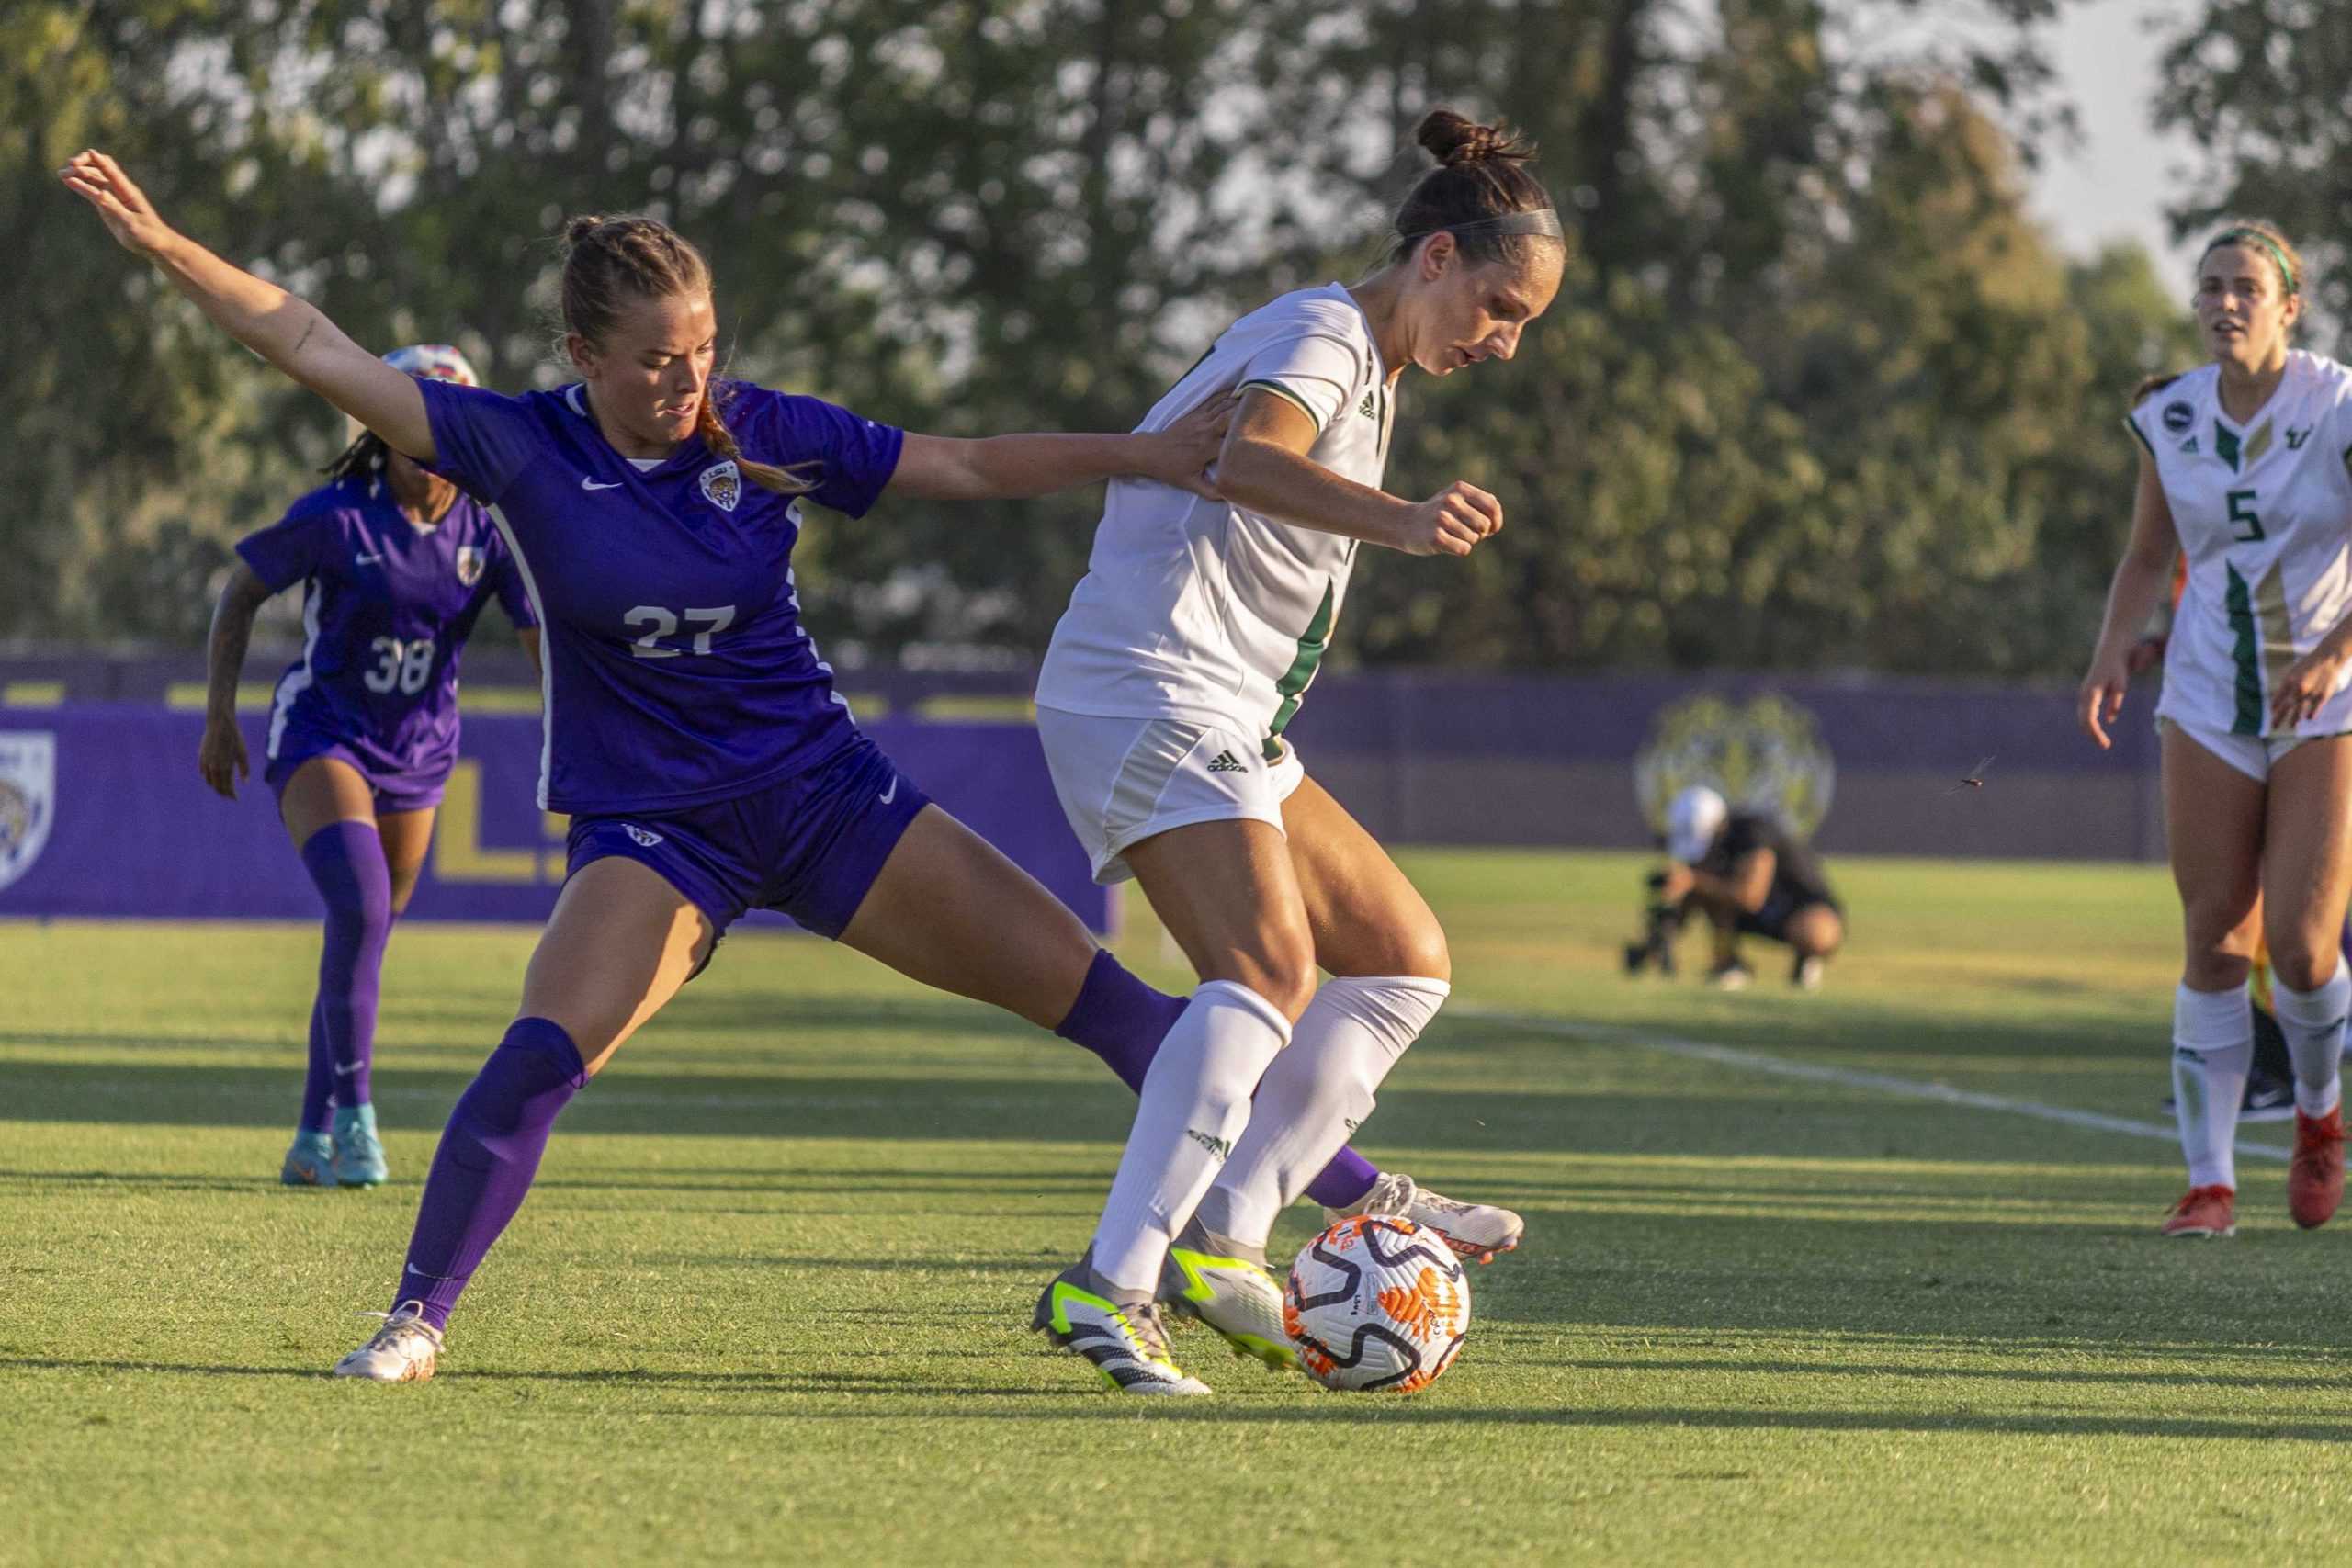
(1198, 609)
(2264, 511)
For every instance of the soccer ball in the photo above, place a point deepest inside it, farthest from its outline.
(1377, 1304)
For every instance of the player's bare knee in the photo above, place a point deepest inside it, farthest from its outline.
(2209, 969)
(1280, 970)
(2301, 965)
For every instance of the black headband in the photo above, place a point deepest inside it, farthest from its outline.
(1541, 220)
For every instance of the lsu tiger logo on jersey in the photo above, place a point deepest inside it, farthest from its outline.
(28, 798)
(470, 561)
(722, 485)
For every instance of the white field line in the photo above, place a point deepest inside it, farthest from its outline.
(1845, 1077)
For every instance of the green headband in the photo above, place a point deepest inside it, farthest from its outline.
(2268, 245)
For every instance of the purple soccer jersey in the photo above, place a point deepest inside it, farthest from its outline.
(387, 606)
(676, 670)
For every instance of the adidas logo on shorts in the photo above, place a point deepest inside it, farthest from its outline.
(1227, 762)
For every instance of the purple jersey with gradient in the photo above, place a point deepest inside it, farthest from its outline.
(387, 606)
(676, 670)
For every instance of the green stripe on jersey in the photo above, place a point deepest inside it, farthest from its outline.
(1286, 395)
(2225, 443)
(2246, 654)
(2139, 436)
(1292, 687)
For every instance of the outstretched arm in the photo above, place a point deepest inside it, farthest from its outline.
(291, 333)
(1004, 468)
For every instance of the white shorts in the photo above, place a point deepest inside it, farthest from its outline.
(2253, 755)
(1122, 780)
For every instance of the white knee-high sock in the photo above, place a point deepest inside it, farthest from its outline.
(2312, 1023)
(1315, 1095)
(2213, 1048)
(1195, 1106)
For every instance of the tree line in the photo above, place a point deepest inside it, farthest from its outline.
(1816, 392)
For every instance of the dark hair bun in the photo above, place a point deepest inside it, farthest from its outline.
(578, 229)
(1453, 139)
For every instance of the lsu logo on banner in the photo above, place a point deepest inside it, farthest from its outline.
(28, 798)
(1764, 756)
(469, 564)
(722, 485)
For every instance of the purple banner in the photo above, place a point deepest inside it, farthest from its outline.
(102, 814)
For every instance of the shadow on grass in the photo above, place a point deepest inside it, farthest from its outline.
(640, 1099)
(2331, 1379)
(1079, 1401)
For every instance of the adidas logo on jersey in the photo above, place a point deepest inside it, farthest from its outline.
(1367, 408)
(1227, 762)
(2190, 446)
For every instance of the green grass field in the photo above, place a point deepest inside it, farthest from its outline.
(768, 1299)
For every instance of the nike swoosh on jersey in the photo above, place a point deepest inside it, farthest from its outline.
(891, 794)
(591, 484)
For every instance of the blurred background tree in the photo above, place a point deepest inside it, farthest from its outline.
(1816, 392)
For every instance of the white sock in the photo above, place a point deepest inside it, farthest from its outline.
(1315, 1095)
(2312, 1023)
(1195, 1106)
(2212, 1049)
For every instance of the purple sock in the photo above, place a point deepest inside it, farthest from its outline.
(1120, 1018)
(318, 1080)
(346, 861)
(489, 1153)
(1123, 1020)
(1348, 1178)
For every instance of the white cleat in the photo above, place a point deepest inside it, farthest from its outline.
(1227, 1287)
(1119, 1333)
(405, 1350)
(1474, 1230)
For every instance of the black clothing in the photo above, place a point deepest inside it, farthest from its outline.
(1798, 881)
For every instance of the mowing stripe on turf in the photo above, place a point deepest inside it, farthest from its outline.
(1885, 1083)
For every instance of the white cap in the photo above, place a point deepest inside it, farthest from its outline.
(1693, 822)
(433, 361)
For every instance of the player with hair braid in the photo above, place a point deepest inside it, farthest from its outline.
(395, 565)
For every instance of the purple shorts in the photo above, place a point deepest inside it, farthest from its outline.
(808, 847)
(394, 792)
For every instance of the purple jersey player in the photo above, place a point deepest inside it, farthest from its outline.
(395, 565)
(690, 727)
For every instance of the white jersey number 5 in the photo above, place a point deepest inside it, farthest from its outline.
(660, 623)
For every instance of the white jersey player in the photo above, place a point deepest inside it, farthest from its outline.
(2261, 510)
(2243, 471)
(1187, 649)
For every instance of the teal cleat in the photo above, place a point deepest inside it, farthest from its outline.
(310, 1163)
(358, 1157)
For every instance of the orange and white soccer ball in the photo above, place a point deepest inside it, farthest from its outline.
(1376, 1305)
